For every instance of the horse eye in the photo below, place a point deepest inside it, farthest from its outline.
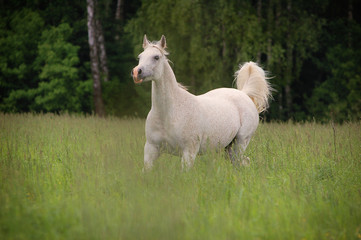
(156, 57)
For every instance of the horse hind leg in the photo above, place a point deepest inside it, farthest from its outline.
(236, 151)
(230, 151)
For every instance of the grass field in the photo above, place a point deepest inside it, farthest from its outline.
(73, 177)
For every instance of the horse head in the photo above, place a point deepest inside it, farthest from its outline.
(151, 61)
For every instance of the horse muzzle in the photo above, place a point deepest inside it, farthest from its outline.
(137, 75)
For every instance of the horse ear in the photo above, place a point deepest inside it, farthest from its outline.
(162, 42)
(145, 41)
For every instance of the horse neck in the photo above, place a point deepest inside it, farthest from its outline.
(165, 91)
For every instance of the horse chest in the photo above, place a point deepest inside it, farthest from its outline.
(165, 133)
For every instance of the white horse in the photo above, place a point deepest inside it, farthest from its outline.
(183, 124)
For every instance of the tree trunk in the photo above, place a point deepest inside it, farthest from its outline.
(270, 22)
(288, 77)
(277, 62)
(119, 11)
(223, 42)
(92, 39)
(102, 52)
(259, 15)
(350, 18)
(118, 18)
(289, 67)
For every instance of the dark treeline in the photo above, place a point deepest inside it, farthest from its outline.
(76, 56)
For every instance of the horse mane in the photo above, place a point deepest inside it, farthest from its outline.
(182, 86)
(155, 45)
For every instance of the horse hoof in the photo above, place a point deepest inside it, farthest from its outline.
(245, 161)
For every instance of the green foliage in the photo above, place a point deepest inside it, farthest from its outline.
(57, 59)
(310, 48)
(19, 36)
(339, 97)
(59, 87)
(205, 50)
(68, 177)
(121, 99)
(208, 41)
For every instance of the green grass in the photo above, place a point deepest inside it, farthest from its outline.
(71, 177)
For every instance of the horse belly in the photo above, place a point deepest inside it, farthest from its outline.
(220, 126)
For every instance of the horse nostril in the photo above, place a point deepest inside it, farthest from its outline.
(139, 71)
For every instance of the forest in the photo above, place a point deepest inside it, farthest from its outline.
(65, 56)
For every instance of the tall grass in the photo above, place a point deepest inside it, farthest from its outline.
(67, 177)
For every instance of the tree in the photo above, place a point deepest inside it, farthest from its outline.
(311, 50)
(210, 40)
(293, 37)
(20, 33)
(338, 97)
(59, 88)
(93, 35)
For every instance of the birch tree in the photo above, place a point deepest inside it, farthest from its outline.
(94, 59)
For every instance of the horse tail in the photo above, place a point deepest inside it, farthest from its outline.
(252, 80)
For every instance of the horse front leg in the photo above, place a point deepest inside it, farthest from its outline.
(189, 155)
(188, 160)
(151, 153)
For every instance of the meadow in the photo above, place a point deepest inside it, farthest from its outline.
(80, 177)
